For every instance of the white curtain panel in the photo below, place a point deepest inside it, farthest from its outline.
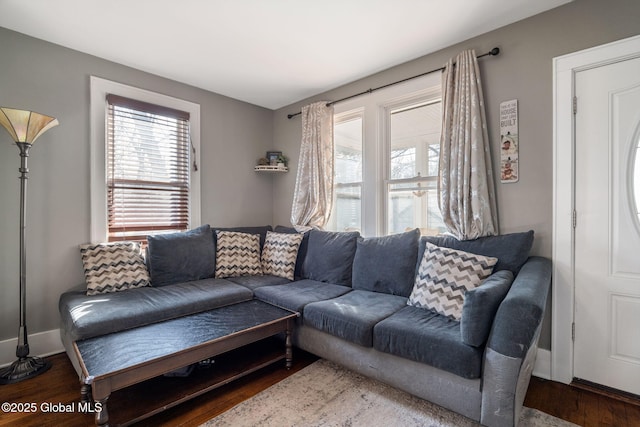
(465, 177)
(313, 194)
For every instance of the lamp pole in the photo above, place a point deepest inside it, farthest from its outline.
(22, 350)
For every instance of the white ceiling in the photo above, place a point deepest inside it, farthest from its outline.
(266, 52)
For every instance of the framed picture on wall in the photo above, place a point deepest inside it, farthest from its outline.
(509, 141)
(272, 156)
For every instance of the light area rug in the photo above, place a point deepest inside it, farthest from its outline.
(324, 394)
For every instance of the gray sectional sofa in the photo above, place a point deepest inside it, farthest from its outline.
(352, 295)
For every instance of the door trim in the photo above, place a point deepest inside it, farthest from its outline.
(563, 289)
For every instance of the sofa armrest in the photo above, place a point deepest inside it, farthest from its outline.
(522, 310)
(512, 344)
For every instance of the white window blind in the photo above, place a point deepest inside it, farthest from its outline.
(147, 169)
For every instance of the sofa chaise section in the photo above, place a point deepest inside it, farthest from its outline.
(86, 316)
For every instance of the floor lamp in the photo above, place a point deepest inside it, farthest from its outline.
(24, 127)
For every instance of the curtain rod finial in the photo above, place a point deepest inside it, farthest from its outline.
(495, 51)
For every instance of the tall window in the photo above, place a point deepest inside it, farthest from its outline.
(412, 159)
(346, 214)
(144, 149)
(386, 159)
(147, 169)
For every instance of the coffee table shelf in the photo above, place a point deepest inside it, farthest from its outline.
(162, 393)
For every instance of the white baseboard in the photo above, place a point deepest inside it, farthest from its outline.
(40, 344)
(542, 368)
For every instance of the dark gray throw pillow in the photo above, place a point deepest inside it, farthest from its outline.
(386, 264)
(512, 250)
(329, 256)
(181, 257)
(480, 307)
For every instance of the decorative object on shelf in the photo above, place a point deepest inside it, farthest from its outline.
(509, 141)
(282, 161)
(273, 156)
(24, 127)
(274, 161)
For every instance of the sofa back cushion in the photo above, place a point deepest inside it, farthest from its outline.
(480, 307)
(329, 256)
(386, 264)
(181, 257)
(512, 250)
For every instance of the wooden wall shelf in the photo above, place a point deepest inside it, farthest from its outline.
(267, 168)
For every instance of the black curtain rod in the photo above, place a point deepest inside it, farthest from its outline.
(493, 52)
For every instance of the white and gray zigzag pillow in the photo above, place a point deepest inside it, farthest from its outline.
(445, 275)
(237, 254)
(113, 267)
(279, 254)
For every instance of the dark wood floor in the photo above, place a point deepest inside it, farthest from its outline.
(60, 385)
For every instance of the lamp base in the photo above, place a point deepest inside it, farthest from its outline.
(23, 369)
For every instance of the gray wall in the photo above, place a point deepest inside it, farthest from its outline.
(523, 71)
(53, 80)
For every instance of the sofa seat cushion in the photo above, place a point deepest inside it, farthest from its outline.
(254, 282)
(296, 295)
(352, 316)
(85, 316)
(427, 337)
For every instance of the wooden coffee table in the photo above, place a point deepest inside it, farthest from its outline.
(122, 359)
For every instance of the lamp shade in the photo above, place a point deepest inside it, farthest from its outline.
(25, 126)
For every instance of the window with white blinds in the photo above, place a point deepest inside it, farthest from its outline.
(147, 169)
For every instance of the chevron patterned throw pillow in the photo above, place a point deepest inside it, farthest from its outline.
(113, 267)
(237, 254)
(445, 275)
(279, 254)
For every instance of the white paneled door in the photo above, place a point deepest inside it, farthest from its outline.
(607, 225)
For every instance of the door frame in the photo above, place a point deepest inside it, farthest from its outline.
(563, 290)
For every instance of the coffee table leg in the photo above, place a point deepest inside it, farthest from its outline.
(102, 416)
(85, 393)
(288, 353)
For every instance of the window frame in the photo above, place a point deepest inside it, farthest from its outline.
(416, 99)
(375, 168)
(355, 114)
(99, 88)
